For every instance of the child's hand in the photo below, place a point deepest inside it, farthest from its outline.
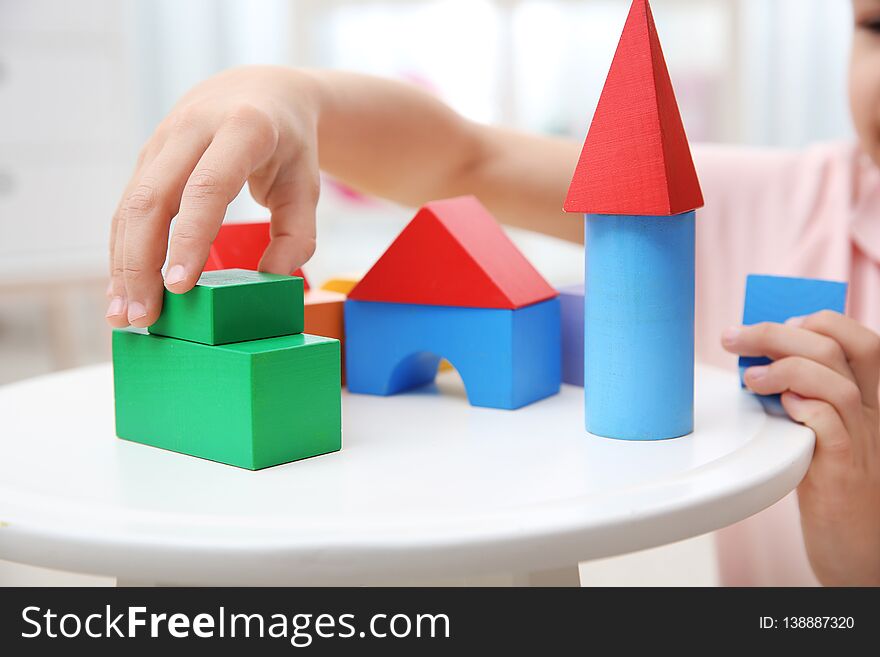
(254, 124)
(827, 368)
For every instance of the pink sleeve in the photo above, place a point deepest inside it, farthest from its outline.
(771, 212)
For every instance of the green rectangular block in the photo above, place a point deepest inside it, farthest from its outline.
(252, 404)
(233, 305)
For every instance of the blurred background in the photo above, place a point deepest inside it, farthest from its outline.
(83, 83)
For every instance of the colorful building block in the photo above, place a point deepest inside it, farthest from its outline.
(506, 358)
(241, 246)
(454, 253)
(233, 305)
(453, 285)
(252, 404)
(779, 298)
(637, 185)
(639, 327)
(323, 315)
(571, 309)
(636, 159)
(342, 283)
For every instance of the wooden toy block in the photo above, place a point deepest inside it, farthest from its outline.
(345, 283)
(779, 298)
(454, 253)
(506, 358)
(639, 326)
(252, 404)
(342, 283)
(240, 246)
(636, 159)
(637, 185)
(571, 307)
(323, 315)
(233, 305)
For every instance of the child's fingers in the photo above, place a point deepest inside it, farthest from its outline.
(809, 379)
(778, 341)
(822, 418)
(244, 142)
(117, 310)
(292, 199)
(860, 344)
(147, 213)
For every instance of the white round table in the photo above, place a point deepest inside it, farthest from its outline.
(425, 488)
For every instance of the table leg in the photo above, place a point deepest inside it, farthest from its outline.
(122, 582)
(558, 577)
(568, 576)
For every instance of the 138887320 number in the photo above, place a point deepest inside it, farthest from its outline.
(807, 623)
(818, 622)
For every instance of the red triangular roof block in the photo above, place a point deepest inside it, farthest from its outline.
(636, 159)
(454, 253)
(240, 246)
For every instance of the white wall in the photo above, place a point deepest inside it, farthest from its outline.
(83, 84)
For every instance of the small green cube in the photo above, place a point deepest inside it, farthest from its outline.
(233, 305)
(251, 404)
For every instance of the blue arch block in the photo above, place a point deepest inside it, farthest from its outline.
(639, 326)
(506, 358)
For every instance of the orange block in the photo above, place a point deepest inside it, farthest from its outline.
(323, 315)
(343, 283)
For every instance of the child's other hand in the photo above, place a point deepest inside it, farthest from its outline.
(254, 125)
(827, 368)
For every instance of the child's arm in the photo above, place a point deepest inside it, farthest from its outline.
(413, 149)
(827, 368)
(272, 127)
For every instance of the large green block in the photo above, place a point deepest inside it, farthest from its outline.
(252, 404)
(233, 305)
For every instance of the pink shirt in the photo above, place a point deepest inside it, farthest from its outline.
(813, 213)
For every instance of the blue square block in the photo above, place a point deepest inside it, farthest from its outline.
(506, 358)
(779, 298)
